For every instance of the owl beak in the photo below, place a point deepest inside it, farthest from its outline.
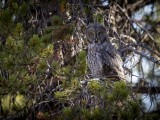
(96, 40)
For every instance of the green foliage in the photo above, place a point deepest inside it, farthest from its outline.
(75, 83)
(11, 103)
(29, 47)
(46, 38)
(47, 51)
(23, 9)
(83, 114)
(120, 91)
(98, 114)
(99, 17)
(42, 65)
(56, 21)
(114, 98)
(34, 41)
(17, 58)
(55, 65)
(69, 92)
(18, 30)
(68, 113)
(14, 6)
(81, 65)
(66, 70)
(95, 86)
(62, 94)
(153, 116)
(62, 32)
(6, 17)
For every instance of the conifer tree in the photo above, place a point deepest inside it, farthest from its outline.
(43, 69)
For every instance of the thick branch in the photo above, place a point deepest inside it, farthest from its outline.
(146, 90)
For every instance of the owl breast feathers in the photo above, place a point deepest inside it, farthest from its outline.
(103, 59)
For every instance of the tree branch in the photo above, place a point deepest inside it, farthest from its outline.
(146, 90)
(143, 55)
(139, 4)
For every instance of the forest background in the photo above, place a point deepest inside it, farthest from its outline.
(43, 69)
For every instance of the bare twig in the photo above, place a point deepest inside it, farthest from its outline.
(143, 45)
(134, 21)
(140, 53)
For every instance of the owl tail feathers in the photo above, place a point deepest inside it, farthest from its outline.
(122, 77)
(117, 76)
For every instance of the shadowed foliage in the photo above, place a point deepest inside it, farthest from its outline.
(43, 69)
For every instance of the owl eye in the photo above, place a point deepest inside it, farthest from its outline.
(100, 33)
(91, 34)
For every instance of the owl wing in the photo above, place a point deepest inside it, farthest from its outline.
(112, 60)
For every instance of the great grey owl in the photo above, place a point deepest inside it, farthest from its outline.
(103, 59)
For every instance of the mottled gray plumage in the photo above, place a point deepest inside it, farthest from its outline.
(103, 59)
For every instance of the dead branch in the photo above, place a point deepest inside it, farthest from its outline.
(146, 90)
(142, 54)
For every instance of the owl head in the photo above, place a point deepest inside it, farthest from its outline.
(96, 33)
